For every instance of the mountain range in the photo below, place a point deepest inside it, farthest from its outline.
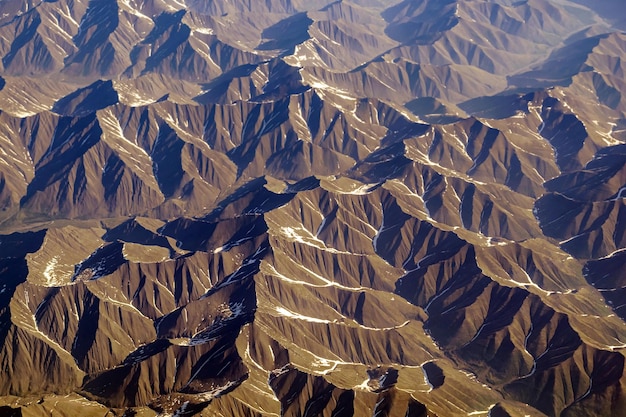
(313, 208)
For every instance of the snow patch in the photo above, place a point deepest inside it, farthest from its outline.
(52, 280)
(290, 314)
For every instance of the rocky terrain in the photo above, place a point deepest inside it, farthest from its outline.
(313, 208)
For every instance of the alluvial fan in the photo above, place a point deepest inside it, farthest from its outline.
(313, 208)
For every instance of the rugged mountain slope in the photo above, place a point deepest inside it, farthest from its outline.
(350, 208)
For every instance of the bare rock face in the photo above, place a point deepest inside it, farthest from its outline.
(312, 208)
